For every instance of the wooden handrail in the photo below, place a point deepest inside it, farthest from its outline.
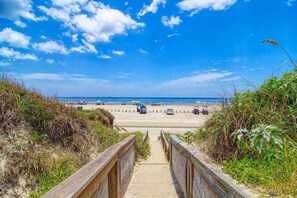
(101, 175)
(165, 144)
(198, 177)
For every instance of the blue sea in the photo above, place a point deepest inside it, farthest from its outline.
(145, 100)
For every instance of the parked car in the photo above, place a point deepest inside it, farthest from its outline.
(169, 111)
(196, 110)
(99, 103)
(138, 106)
(143, 110)
(205, 111)
(81, 102)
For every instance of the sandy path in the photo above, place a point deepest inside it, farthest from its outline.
(152, 177)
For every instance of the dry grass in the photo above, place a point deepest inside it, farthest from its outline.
(42, 142)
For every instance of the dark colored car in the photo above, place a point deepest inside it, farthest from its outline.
(143, 110)
(82, 102)
(140, 106)
(205, 111)
(196, 111)
(169, 111)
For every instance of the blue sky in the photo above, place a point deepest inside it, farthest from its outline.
(184, 48)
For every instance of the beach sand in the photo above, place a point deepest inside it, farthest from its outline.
(156, 119)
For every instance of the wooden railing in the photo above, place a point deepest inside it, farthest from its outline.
(108, 175)
(195, 174)
(165, 144)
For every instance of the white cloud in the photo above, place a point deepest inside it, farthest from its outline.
(10, 53)
(171, 35)
(20, 24)
(96, 21)
(105, 23)
(235, 78)
(87, 47)
(58, 14)
(123, 75)
(66, 3)
(197, 5)
(171, 22)
(120, 53)
(290, 3)
(74, 37)
(15, 9)
(198, 78)
(104, 56)
(143, 51)
(4, 64)
(126, 3)
(14, 38)
(50, 61)
(51, 47)
(42, 76)
(81, 79)
(43, 37)
(153, 7)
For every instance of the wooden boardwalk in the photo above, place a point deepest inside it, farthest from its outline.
(153, 177)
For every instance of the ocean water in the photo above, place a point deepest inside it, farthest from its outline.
(145, 100)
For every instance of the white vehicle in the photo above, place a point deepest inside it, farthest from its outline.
(169, 111)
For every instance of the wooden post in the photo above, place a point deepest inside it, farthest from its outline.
(114, 181)
(190, 178)
(170, 152)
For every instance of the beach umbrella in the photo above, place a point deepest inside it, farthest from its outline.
(134, 101)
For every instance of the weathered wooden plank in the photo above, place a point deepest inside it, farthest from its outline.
(126, 164)
(190, 178)
(91, 188)
(114, 181)
(126, 147)
(102, 191)
(163, 136)
(214, 182)
(87, 179)
(201, 188)
(165, 144)
(179, 165)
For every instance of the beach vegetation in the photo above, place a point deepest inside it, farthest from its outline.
(42, 141)
(254, 136)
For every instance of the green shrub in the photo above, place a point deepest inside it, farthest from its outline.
(254, 134)
(264, 141)
(142, 148)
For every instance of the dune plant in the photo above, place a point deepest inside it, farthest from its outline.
(273, 42)
(263, 140)
(254, 135)
(43, 142)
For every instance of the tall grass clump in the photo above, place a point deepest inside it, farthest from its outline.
(42, 141)
(64, 126)
(254, 135)
(100, 115)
